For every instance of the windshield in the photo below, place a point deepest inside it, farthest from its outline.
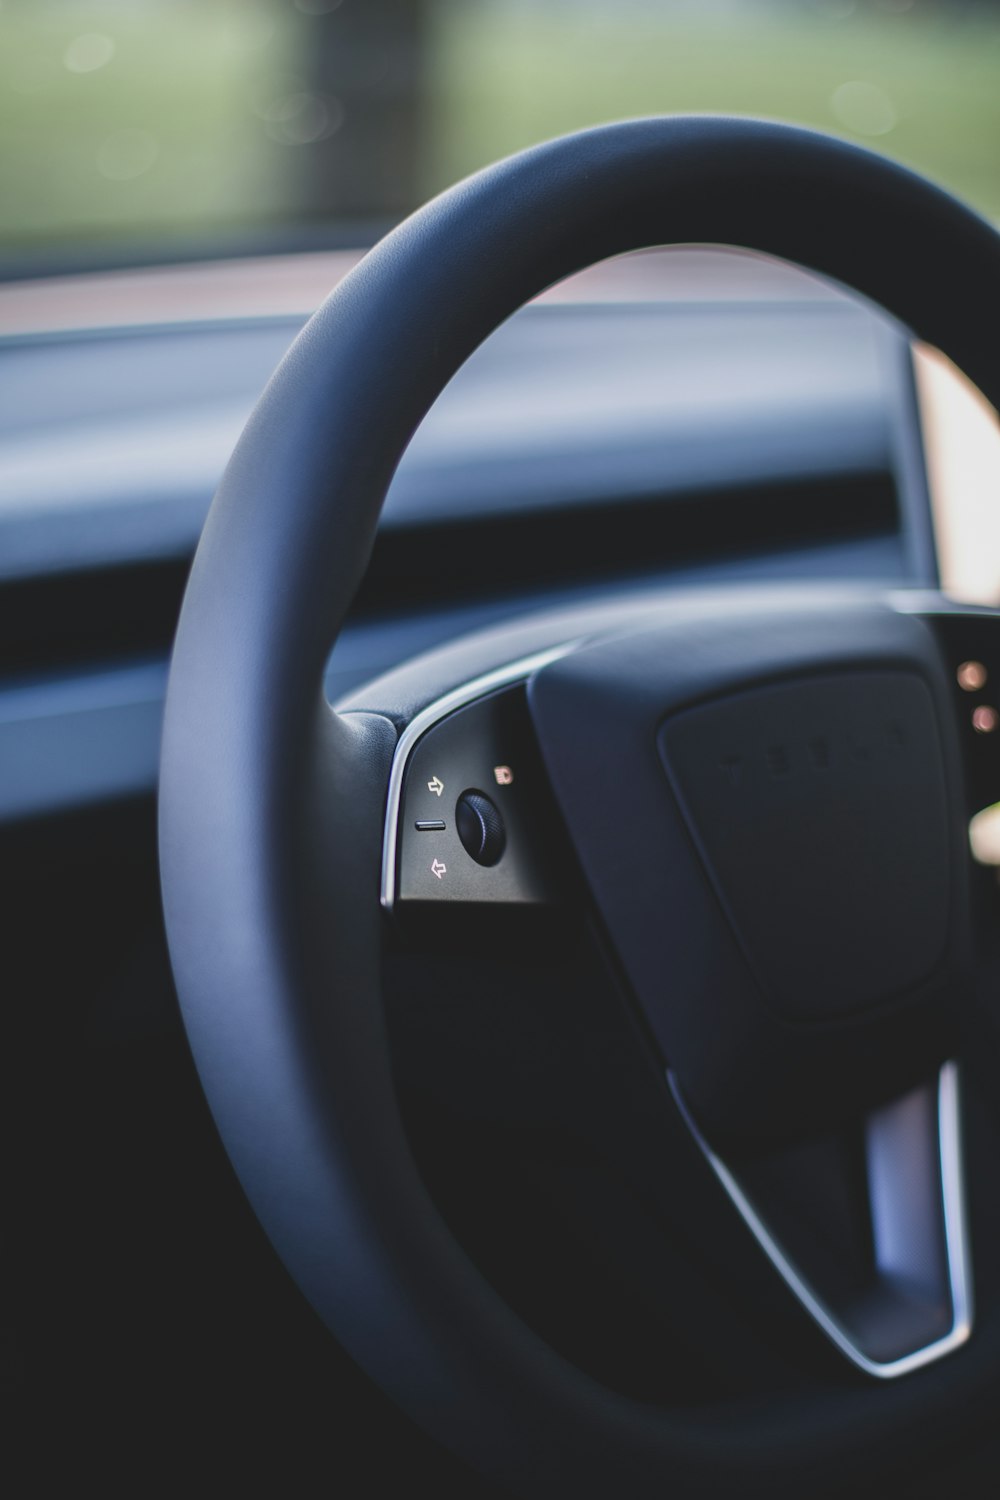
(137, 130)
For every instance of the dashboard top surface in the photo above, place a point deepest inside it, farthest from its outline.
(608, 438)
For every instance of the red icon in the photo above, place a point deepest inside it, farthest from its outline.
(504, 775)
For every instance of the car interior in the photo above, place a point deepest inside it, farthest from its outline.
(501, 903)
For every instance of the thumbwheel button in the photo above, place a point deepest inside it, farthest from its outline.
(480, 827)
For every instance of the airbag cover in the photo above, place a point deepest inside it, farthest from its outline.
(819, 809)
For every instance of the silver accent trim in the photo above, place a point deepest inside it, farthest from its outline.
(955, 1237)
(459, 697)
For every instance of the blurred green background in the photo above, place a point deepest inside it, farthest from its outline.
(149, 128)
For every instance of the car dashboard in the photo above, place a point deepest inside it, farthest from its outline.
(706, 421)
(669, 423)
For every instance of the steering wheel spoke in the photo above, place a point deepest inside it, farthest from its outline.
(469, 818)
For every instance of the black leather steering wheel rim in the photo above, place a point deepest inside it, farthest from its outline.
(271, 806)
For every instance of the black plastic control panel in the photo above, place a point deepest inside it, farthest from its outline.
(481, 755)
(970, 642)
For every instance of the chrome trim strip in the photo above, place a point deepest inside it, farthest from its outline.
(956, 1227)
(459, 697)
(955, 1231)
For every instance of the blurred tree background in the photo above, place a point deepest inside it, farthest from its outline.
(138, 128)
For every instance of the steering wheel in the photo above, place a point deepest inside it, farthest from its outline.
(761, 797)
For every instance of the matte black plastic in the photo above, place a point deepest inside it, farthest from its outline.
(821, 811)
(271, 807)
(772, 1033)
(454, 760)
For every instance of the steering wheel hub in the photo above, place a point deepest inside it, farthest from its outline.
(784, 880)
